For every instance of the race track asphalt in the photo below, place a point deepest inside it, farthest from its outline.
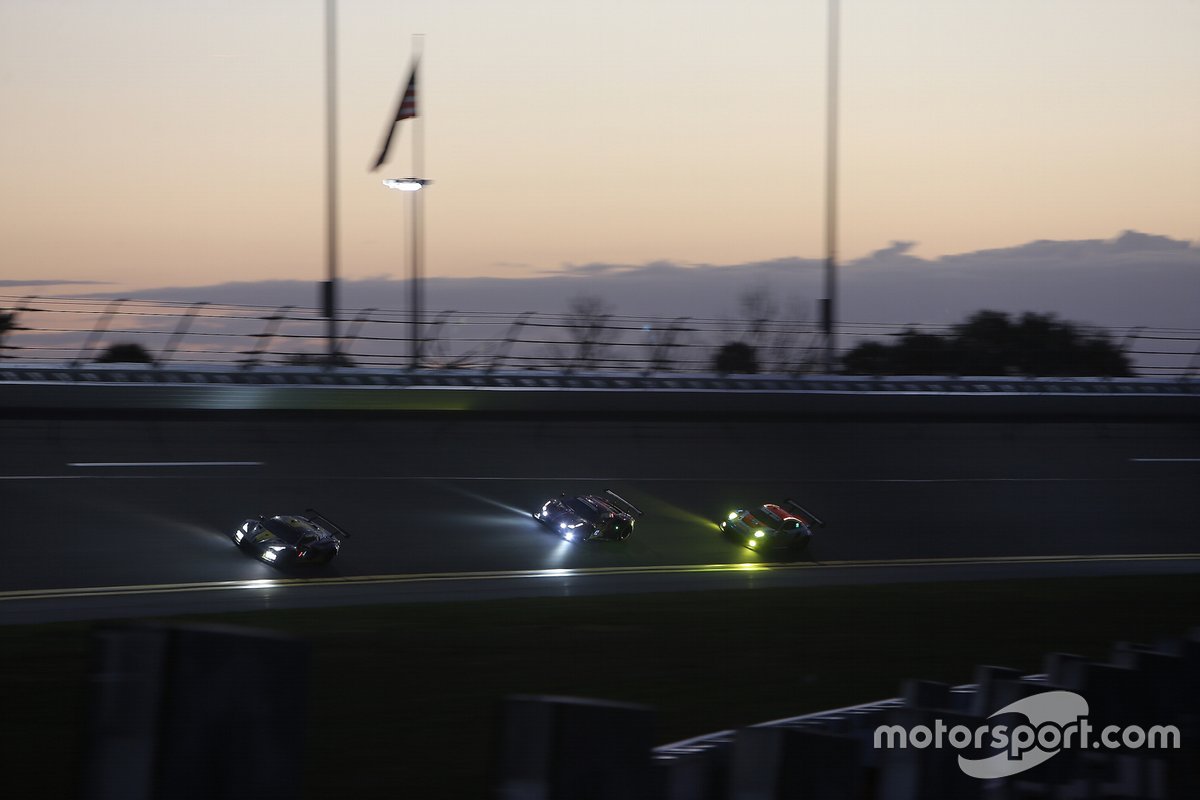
(94, 507)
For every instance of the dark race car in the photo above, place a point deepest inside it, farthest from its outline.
(589, 517)
(291, 538)
(786, 525)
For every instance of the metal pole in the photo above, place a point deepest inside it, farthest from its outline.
(829, 305)
(414, 287)
(418, 222)
(331, 192)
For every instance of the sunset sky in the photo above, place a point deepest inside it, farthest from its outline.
(181, 142)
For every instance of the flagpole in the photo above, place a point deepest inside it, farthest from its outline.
(331, 189)
(407, 108)
(829, 304)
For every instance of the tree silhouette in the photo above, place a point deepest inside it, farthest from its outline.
(8, 322)
(772, 328)
(993, 343)
(586, 321)
(736, 357)
(125, 353)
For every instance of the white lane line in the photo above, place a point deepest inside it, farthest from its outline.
(580, 572)
(166, 463)
(43, 477)
(1145, 460)
(626, 479)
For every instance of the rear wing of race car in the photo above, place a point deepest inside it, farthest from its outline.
(326, 523)
(804, 512)
(624, 502)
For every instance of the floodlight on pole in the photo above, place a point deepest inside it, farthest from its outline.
(416, 271)
(406, 184)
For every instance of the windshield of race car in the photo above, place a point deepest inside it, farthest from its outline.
(583, 508)
(768, 516)
(290, 529)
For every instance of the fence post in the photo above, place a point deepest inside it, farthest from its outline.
(356, 327)
(273, 323)
(510, 338)
(660, 354)
(185, 322)
(99, 329)
(433, 333)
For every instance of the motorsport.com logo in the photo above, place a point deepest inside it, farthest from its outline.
(1057, 721)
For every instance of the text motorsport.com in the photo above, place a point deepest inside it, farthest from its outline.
(1057, 720)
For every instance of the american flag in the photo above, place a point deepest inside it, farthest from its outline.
(405, 110)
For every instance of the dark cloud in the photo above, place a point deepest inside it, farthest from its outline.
(1134, 279)
(893, 251)
(586, 269)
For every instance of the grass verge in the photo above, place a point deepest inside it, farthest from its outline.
(404, 697)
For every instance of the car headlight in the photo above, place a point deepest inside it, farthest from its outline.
(759, 534)
(732, 515)
(270, 555)
(239, 535)
(753, 543)
(562, 525)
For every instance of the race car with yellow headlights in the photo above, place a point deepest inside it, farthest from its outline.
(589, 517)
(772, 526)
(291, 539)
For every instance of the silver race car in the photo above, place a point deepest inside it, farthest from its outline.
(772, 526)
(310, 538)
(589, 517)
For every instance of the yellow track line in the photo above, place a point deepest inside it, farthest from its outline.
(432, 577)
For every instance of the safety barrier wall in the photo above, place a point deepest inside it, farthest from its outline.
(101, 387)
